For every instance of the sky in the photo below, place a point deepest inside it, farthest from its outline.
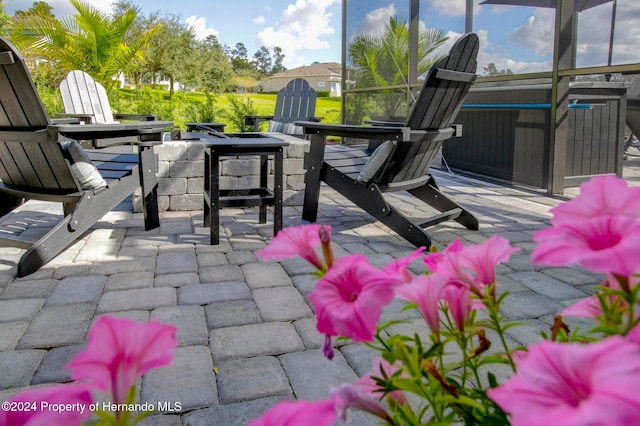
(517, 38)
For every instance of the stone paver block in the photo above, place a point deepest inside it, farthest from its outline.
(305, 283)
(528, 305)
(241, 257)
(85, 289)
(20, 309)
(238, 414)
(123, 266)
(251, 378)
(129, 281)
(260, 275)
(253, 340)
(311, 374)
(190, 321)
(177, 280)
(176, 262)
(52, 368)
(39, 289)
(161, 420)
(546, 285)
(144, 299)
(310, 335)
(359, 357)
(572, 276)
(212, 259)
(58, 325)
(204, 294)
(18, 367)
(189, 380)
(221, 273)
(11, 333)
(230, 313)
(281, 304)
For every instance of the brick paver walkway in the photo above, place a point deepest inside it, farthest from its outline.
(247, 337)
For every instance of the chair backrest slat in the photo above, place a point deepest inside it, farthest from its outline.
(296, 101)
(34, 162)
(444, 89)
(81, 94)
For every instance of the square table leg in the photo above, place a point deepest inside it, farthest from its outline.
(277, 191)
(264, 172)
(214, 187)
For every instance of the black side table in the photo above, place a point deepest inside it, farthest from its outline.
(216, 197)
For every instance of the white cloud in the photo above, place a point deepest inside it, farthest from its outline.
(303, 25)
(487, 55)
(199, 25)
(536, 33)
(453, 8)
(374, 21)
(60, 7)
(259, 20)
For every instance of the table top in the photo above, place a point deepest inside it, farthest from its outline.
(243, 140)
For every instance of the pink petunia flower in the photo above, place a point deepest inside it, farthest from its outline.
(371, 388)
(586, 308)
(348, 300)
(425, 291)
(461, 302)
(401, 266)
(295, 241)
(634, 335)
(37, 406)
(432, 260)
(574, 384)
(600, 196)
(483, 258)
(290, 413)
(352, 396)
(604, 244)
(121, 350)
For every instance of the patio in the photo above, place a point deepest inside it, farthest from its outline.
(247, 337)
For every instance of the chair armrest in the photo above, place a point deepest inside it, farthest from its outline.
(136, 117)
(385, 123)
(250, 120)
(105, 135)
(353, 131)
(83, 118)
(69, 120)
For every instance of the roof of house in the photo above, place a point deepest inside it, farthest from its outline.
(315, 69)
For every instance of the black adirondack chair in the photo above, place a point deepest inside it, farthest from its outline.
(295, 101)
(37, 162)
(363, 174)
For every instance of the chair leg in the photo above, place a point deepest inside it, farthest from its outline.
(313, 165)
(149, 185)
(370, 199)
(431, 194)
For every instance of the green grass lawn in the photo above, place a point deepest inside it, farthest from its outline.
(183, 106)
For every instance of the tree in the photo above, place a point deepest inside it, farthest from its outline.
(91, 41)
(39, 8)
(491, 70)
(263, 61)
(239, 58)
(171, 48)
(278, 58)
(217, 72)
(383, 60)
(4, 21)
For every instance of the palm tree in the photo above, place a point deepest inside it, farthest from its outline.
(383, 60)
(88, 41)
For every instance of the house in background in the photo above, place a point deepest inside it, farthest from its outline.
(321, 76)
